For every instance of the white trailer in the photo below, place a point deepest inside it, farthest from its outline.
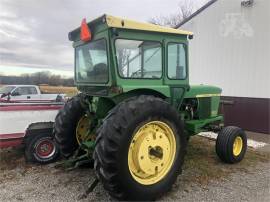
(30, 125)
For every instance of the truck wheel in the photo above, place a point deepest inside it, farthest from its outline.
(41, 148)
(140, 149)
(231, 144)
(66, 125)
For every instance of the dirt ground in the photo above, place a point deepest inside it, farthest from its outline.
(204, 178)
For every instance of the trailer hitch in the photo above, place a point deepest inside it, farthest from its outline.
(78, 159)
(74, 162)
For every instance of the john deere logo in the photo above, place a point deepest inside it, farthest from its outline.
(235, 24)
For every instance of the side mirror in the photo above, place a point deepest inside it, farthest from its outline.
(3, 95)
(15, 94)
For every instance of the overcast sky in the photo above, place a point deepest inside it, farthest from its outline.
(33, 33)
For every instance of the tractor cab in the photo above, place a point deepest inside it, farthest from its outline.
(116, 59)
(115, 56)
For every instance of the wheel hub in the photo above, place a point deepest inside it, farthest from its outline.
(151, 152)
(82, 129)
(45, 148)
(237, 146)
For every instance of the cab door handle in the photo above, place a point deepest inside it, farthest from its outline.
(28, 97)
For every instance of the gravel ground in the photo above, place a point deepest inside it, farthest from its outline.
(240, 186)
(208, 181)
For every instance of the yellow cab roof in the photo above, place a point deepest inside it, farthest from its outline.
(118, 22)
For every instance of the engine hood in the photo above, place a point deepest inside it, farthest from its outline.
(203, 91)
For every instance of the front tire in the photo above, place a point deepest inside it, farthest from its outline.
(140, 149)
(231, 144)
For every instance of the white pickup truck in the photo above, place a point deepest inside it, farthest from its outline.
(26, 93)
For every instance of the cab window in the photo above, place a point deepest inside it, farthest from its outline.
(176, 61)
(21, 91)
(91, 64)
(138, 59)
(32, 91)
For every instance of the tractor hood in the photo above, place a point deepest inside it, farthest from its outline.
(203, 91)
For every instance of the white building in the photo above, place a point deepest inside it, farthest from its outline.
(231, 49)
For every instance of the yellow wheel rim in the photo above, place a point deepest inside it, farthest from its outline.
(237, 146)
(151, 152)
(82, 129)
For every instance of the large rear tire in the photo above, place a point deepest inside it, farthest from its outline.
(66, 122)
(141, 129)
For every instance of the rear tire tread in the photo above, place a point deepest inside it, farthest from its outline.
(107, 144)
(66, 122)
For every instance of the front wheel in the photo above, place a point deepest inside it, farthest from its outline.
(140, 149)
(231, 144)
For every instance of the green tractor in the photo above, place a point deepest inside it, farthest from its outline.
(136, 110)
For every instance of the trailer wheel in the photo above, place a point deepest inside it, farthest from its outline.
(41, 148)
(66, 125)
(140, 149)
(231, 144)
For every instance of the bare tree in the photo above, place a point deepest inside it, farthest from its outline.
(37, 78)
(185, 9)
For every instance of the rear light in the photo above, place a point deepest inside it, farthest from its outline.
(85, 31)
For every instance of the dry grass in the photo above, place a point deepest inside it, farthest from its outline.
(11, 160)
(70, 91)
(203, 165)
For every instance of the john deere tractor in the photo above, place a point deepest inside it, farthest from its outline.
(136, 110)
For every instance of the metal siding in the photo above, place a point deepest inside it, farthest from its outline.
(238, 59)
(248, 113)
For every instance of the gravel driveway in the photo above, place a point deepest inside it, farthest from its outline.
(204, 178)
(240, 186)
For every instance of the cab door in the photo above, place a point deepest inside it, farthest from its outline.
(176, 69)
